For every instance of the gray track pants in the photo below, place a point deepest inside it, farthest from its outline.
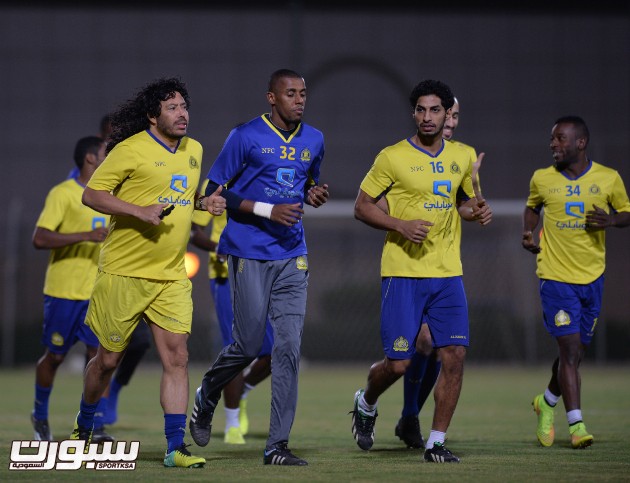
(261, 287)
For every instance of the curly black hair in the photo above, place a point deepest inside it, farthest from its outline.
(132, 117)
(432, 87)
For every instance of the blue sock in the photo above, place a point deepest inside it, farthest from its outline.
(174, 430)
(111, 412)
(101, 410)
(431, 373)
(411, 384)
(42, 394)
(85, 419)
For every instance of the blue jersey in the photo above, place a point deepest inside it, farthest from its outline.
(257, 163)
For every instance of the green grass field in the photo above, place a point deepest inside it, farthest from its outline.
(493, 431)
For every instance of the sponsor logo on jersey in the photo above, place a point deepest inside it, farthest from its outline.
(98, 222)
(562, 318)
(574, 208)
(570, 225)
(438, 205)
(267, 150)
(285, 176)
(442, 188)
(173, 200)
(401, 344)
(57, 339)
(179, 183)
(241, 265)
(283, 193)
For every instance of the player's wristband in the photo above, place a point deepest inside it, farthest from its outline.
(263, 209)
(199, 203)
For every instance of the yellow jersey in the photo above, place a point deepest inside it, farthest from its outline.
(569, 252)
(71, 269)
(419, 185)
(143, 171)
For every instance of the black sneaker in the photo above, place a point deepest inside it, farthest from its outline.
(362, 425)
(281, 455)
(80, 432)
(41, 428)
(439, 454)
(408, 430)
(100, 436)
(200, 424)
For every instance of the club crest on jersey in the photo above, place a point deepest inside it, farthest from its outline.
(562, 318)
(455, 168)
(115, 337)
(401, 344)
(594, 189)
(194, 164)
(57, 339)
(305, 155)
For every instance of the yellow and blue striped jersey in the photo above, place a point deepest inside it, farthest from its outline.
(143, 171)
(419, 185)
(71, 269)
(569, 252)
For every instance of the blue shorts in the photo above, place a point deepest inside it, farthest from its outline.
(64, 324)
(569, 308)
(408, 302)
(220, 288)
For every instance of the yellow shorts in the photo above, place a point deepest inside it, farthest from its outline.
(117, 304)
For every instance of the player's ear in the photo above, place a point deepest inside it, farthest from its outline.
(581, 143)
(271, 98)
(152, 120)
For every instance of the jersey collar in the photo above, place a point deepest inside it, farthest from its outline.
(275, 129)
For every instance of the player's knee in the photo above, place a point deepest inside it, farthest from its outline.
(55, 359)
(397, 368)
(178, 358)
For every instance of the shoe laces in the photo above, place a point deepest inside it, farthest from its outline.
(204, 415)
(441, 448)
(182, 449)
(365, 421)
